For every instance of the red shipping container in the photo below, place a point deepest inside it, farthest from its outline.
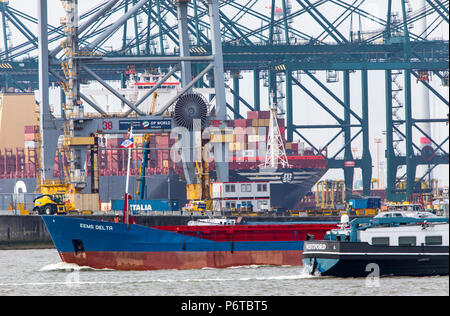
(31, 129)
(252, 115)
(113, 142)
(281, 123)
(163, 142)
(240, 123)
(264, 115)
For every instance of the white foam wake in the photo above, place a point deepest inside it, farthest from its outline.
(67, 267)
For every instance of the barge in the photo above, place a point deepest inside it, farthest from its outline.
(402, 246)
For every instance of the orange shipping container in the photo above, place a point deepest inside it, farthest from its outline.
(16, 112)
(264, 122)
(28, 137)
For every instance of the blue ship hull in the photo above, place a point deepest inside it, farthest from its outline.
(113, 245)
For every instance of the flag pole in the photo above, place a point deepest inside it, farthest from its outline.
(129, 160)
(126, 209)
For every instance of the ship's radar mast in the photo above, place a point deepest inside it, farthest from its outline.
(276, 153)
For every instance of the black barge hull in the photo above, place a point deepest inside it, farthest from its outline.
(345, 259)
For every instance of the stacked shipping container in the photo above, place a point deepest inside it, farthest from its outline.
(250, 142)
(252, 133)
(20, 162)
(247, 149)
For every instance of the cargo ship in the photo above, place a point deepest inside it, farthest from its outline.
(165, 179)
(115, 245)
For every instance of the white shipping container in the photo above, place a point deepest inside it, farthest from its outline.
(256, 138)
(31, 144)
(249, 153)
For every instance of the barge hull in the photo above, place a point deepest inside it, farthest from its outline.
(373, 266)
(362, 260)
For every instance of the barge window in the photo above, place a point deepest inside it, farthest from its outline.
(407, 241)
(433, 240)
(230, 188)
(380, 241)
(246, 188)
(262, 187)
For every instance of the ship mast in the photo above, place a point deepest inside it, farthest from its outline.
(276, 153)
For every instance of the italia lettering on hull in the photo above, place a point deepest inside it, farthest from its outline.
(141, 207)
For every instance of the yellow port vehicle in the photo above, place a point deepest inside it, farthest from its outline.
(50, 204)
(196, 206)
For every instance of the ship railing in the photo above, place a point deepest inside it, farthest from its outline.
(364, 223)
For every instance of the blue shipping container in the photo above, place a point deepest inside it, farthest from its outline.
(374, 202)
(367, 203)
(143, 207)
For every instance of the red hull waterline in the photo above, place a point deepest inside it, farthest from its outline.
(182, 260)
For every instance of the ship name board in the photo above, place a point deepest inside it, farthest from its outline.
(96, 227)
(315, 246)
(145, 124)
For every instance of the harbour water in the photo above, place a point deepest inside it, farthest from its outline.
(31, 272)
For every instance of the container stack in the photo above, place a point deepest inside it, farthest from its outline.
(247, 147)
(251, 134)
(366, 205)
(113, 159)
(31, 136)
(13, 164)
(159, 156)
